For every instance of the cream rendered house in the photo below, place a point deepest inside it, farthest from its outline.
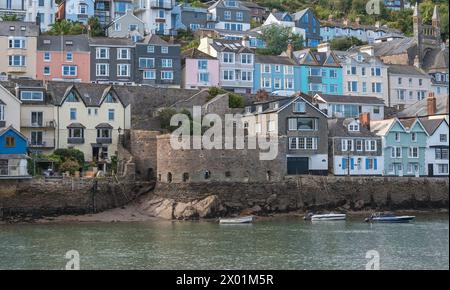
(18, 42)
(9, 109)
(90, 118)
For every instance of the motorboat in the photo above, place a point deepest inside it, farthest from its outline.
(389, 218)
(326, 217)
(237, 220)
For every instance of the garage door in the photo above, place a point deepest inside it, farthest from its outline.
(297, 165)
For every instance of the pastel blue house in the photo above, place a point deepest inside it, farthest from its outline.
(320, 71)
(404, 145)
(276, 73)
(78, 10)
(13, 154)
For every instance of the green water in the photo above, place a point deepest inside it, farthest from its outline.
(282, 243)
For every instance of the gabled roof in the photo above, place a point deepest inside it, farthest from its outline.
(394, 47)
(338, 127)
(298, 15)
(431, 125)
(154, 39)
(123, 16)
(11, 128)
(196, 54)
(311, 57)
(281, 15)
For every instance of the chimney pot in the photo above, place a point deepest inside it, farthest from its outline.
(431, 104)
(364, 120)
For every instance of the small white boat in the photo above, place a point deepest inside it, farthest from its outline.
(329, 217)
(238, 220)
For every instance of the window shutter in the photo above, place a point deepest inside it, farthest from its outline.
(367, 163)
(375, 160)
(352, 163)
(344, 163)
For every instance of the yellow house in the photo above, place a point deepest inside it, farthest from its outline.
(89, 118)
(18, 42)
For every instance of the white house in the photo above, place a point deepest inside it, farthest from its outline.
(156, 14)
(436, 153)
(44, 9)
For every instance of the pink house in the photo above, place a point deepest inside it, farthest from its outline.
(199, 70)
(63, 58)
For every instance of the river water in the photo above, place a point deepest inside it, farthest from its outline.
(279, 243)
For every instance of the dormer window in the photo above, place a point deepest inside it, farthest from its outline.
(110, 98)
(259, 109)
(12, 28)
(230, 3)
(299, 107)
(31, 96)
(354, 127)
(47, 41)
(248, 110)
(71, 97)
(360, 58)
(274, 105)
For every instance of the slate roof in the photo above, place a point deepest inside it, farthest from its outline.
(339, 128)
(381, 127)
(31, 28)
(108, 41)
(318, 58)
(406, 70)
(220, 4)
(436, 60)
(228, 45)
(196, 54)
(431, 125)
(78, 43)
(356, 26)
(351, 99)
(394, 47)
(249, 4)
(420, 108)
(274, 59)
(280, 15)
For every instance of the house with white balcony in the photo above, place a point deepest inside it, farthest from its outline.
(42, 12)
(236, 63)
(157, 15)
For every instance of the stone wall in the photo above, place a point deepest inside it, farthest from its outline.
(313, 193)
(143, 148)
(190, 165)
(37, 197)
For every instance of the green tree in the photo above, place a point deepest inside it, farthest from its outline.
(66, 154)
(344, 43)
(11, 17)
(95, 29)
(70, 165)
(277, 38)
(62, 27)
(236, 101)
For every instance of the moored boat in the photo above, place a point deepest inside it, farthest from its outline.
(237, 220)
(328, 217)
(389, 218)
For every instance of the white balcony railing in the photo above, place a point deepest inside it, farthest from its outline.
(44, 143)
(45, 123)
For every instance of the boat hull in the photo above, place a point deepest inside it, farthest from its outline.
(240, 220)
(328, 217)
(398, 219)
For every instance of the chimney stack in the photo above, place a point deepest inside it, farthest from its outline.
(431, 104)
(290, 50)
(364, 120)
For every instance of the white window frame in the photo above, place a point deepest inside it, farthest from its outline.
(163, 77)
(371, 145)
(411, 152)
(119, 72)
(120, 56)
(166, 63)
(97, 69)
(228, 54)
(149, 71)
(98, 51)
